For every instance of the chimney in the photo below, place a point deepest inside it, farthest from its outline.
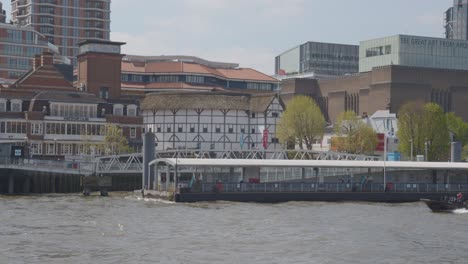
(47, 59)
(36, 61)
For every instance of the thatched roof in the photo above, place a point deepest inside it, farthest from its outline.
(207, 100)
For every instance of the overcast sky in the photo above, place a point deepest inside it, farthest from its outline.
(253, 32)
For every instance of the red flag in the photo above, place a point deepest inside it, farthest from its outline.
(265, 138)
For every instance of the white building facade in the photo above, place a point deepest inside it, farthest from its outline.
(413, 51)
(213, 120)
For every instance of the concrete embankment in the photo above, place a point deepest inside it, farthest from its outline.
(13, 181)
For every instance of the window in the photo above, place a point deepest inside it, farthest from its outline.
(253, 130)
(104, 93)
(36, 129)
(132, 132)
(378, 51)
(16, 105)
(180, 129)
(35, 149)
(274, 114)
(218, 129)
(67, 149)
(259, 86)
(2, 105)
(131, 110)
(253, 115)
(118, 109)
(168, 78)
(158, 129)
(231, 129)
(205, 128)
(50, 149)
(274, 140)
(242, 130)
(192, 128)
(168, 129)
(194, 79)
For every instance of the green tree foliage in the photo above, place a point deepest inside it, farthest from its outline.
(423, 124)
(458, 127)
(302, 123)
(465, 153)
(114, 141)
(354, 136)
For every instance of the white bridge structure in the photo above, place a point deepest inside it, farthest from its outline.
(133, 163)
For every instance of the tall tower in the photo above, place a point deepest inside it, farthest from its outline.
(99, 68)
(456, 20)
(65, 23)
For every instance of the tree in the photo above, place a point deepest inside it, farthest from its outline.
(423, 125)
(458, 127)
(114, 141)
(354, 136)
(302, 123)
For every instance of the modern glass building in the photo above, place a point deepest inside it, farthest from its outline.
(456, 20)
(317, 60)
(413, 51)
(64, 22)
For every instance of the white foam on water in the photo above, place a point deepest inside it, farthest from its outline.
(155, 200)
(461, 211)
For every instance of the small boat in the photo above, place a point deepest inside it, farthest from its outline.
(445, 205)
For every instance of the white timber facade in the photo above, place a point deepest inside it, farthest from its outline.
(213, 120)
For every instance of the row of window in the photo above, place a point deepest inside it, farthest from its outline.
(73, 110)
(378, 51)
(65, 149)
(17, 127)
(195, 79)
(119, 110)
(203, 129)
(13, 105)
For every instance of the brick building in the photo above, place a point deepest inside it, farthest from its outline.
(386, 87)
(51, 118)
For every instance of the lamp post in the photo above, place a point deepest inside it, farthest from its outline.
(411, 141)
(426, 146)
(384, 165)
(55, 148)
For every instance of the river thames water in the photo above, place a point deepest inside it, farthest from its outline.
(124, 228)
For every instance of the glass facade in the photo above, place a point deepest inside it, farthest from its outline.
(18, 48)
(322, 59)
(413, 51)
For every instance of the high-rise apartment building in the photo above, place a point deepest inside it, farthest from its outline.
(64, 22)
(456, 20)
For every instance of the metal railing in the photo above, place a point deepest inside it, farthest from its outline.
(324, 187)
(83, 168)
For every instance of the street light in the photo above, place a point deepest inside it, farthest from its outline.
(411, 141)
(384, 160)
(426, 146)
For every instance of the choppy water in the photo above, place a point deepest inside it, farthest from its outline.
(126, 229)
